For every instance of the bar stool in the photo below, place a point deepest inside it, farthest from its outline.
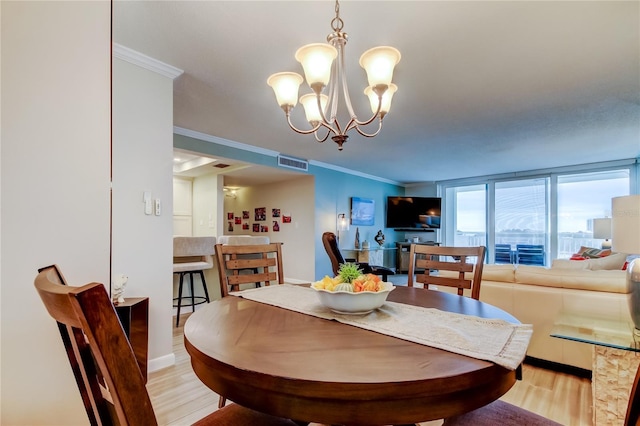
(192, 255)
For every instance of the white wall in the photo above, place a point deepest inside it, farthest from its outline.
(143, 161)
(55, 191)
(295, 197)
(205, 205)
(182, 207)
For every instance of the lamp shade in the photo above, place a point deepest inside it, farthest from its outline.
(625, 227)
(386, 98)
(285, 85)
(343, 222)
(602, 228)
(316, 59)
(379, 63)
(310, 104)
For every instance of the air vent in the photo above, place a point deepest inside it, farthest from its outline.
(221, 165)
(293, 163)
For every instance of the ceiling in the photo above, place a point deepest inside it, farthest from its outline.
(236, 174)
(485, 87)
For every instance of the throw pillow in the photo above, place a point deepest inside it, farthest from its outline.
(593, 253)
(578, 257)
(614, 261)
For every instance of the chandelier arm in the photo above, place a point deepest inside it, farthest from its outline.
(329, 124)
(325, 136)
(333, 92)
(373, 117)
(343, 77)
(302, 132)
(369, 135)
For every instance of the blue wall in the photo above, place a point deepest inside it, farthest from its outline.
(333, 192)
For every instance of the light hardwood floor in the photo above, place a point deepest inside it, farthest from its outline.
(179, 398)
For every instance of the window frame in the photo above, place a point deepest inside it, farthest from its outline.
(631, 165)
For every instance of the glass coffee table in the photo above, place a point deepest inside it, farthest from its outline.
(616, 356)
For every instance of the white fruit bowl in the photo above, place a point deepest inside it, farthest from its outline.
(349, 303)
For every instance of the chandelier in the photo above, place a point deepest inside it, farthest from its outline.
(324, 66)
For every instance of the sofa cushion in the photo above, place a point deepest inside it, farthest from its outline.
(503, 273)
(613, 281)
(615, 261)
(569, 264)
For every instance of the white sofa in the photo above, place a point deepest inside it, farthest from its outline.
(537, 295)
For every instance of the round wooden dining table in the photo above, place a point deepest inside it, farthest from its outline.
(311, 369)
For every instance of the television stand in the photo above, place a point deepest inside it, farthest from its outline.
(402, 255)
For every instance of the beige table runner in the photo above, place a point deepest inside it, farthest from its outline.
(492, 340)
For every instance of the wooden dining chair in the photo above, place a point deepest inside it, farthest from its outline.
(248, 264)
(447, 266)
(109, 379)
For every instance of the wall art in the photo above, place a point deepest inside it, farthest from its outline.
(363, 211)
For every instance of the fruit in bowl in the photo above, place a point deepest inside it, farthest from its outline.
(351, 291)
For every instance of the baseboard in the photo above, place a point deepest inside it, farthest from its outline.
(295, 281)
(161, 362)
(556, 366)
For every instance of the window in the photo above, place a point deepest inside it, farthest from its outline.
(469, 215)
(521, 218)
(582, 198)
(535, 218)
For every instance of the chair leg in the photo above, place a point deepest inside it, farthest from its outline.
(179, 299)
(193, 296)
(204, 285)
(222, 401)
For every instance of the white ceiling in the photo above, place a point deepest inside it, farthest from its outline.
(485, 87)
(236, 174)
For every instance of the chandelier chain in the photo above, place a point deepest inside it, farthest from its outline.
(336, 23)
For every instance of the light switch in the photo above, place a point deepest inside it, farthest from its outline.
(146, 198)
(158, 207)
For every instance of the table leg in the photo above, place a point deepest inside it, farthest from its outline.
(613, 373)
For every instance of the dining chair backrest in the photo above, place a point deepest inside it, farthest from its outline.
(107, 374)
(248, 264)
(447, 266)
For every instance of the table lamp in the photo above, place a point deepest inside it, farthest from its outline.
(625, 235)
(602, 231)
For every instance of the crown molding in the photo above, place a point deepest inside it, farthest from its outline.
(144, 61)
(353, 172)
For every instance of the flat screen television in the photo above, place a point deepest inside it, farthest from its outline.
(413, 212)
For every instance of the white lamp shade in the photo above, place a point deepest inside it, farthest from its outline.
(310, 104)
(386, 98)
(625, 227)
(316, 59)
(602, 228)
(285, 85)
(379, 63)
